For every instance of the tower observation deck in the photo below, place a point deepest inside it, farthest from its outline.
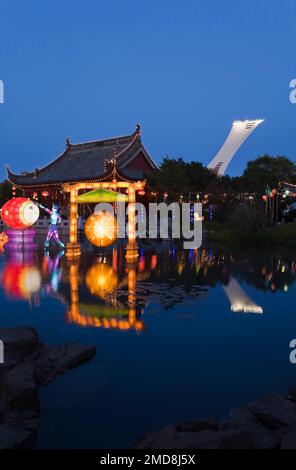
(239, 133)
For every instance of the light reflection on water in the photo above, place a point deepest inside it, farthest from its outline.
(180, 333)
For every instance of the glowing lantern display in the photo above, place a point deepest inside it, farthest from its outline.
(19, 213)
(45, 193)
(141, 193)
(101, 279)
(264, 198)
(101, 229)
(21, 282)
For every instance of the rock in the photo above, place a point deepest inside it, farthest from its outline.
(19, 435)
(169, 438)
(199, 425)
(18, 342)
(206, 439)
(241, 419)
(292, 393)
(22, 387)
(289, 441)
(56, 360)
(2, 394)
(237, 440)
(163, 439)
(29, 363)
(72, 355)
(274, 412)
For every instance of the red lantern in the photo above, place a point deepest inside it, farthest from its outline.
(274, 192)
(19, 213)
(45, 193)
(141, 193)
(264, 198)
(35, 195)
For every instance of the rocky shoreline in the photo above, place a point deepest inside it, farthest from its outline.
(28, 364)
(269, 423)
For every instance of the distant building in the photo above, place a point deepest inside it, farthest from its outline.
(240, 131)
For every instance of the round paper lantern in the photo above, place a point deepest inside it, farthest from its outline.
(101, 279)
(101, 229)
(19, 213)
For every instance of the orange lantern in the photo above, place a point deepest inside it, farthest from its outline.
(101, 229)
(101, 279)
(45, 193)
(19, 213)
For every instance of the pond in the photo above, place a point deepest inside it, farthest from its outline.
(179, 335)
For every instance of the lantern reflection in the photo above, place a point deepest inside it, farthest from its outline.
(101, 279)
(21, 281)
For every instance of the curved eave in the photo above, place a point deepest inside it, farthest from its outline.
(108, 176)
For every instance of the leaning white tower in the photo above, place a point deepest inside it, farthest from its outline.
(240, 131)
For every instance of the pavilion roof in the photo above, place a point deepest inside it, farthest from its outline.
(88, 162)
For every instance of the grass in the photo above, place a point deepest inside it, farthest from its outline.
(284, 234)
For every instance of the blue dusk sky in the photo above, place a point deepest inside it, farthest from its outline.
(183, 69)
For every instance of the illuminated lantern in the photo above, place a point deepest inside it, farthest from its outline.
(21, 282)
(45, 193)
(101, 229)
(19, 213)
(101, 279)
(141, 193)
(264, 198)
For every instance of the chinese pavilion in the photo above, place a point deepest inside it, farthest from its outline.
(88, 162)
(119, 163)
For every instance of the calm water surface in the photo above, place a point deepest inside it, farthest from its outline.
(179, 335)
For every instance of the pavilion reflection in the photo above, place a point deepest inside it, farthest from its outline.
(102, 281)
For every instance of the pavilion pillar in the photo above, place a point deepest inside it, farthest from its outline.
(132, 294)
(131, 248)
(73, 312)
(73, 247)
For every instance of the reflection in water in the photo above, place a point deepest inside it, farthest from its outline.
(239, 300)
(112, 314)
(21, 278)
(101, 279)
(106, 291)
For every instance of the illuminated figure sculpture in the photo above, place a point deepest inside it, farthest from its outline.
(55, 219)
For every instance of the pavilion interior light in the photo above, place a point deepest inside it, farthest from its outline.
(101, 229)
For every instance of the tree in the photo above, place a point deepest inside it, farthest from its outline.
(268, 170)
(5, 191)
(178, 177)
